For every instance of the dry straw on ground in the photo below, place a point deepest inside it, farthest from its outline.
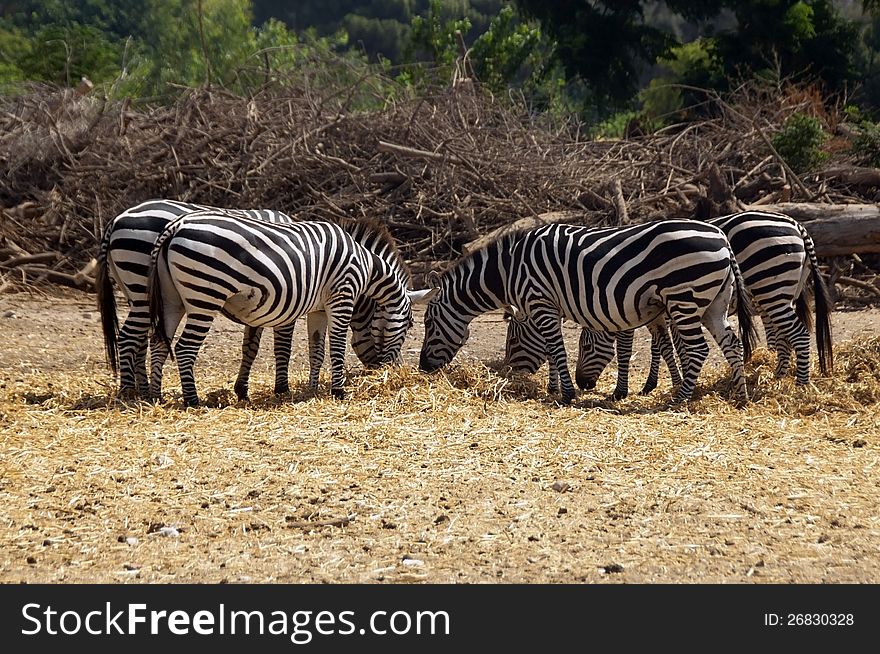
(460, 476)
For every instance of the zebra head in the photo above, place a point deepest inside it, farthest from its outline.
(524, 349)
(445, 329)
(390, 323)
(362, 342)
(595, 350)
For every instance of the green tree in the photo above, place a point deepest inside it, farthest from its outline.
(609, 45)
(502, 53)
(605, 43)
(791, 38)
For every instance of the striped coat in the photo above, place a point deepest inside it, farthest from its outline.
(778, 261)
(611, 280)
(269, 275)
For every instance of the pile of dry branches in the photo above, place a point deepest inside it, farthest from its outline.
(440, 171)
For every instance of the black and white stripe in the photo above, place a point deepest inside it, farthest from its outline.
(124, 256)
(268, 275)
(612, 279)
(778, 261)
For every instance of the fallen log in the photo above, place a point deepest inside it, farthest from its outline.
(523, 223)
(852, 175)
(837, 229)
(24, 259)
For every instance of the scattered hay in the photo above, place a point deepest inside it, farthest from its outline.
(480, 476)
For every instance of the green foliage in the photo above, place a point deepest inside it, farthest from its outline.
(867, 144)
(661, 100)
(790, 38)
(14, 45)
(501, 53)
(587, 56)
(800, 141)
(614, 126)
(63, 54)
(695, 64)
(433, 36)
(689, 65)
(602, 42)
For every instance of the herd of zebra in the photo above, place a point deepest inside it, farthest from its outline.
(178, 262)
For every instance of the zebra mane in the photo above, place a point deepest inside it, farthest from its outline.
(502, 242)
(372, 228)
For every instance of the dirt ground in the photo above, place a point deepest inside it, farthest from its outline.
(429, 481)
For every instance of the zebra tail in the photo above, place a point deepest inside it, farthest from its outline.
(154, 286)
(107, 304)
(745, 312)
(824, 306)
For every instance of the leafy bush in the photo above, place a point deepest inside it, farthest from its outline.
(800, 142)
(616, 126)
(867, 144)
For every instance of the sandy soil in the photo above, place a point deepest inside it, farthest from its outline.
(434, 480)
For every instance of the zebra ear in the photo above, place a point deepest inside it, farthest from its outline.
(432, 279)
(423, 296)
(512, 313)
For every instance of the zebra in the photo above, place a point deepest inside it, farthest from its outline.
(777, 258)
(268, 275)
(610, 279)
(124, 256)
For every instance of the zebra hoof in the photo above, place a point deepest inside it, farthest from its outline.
(241, 392)
(619, 395)
(282, 389)
(338, 393)
(191, 404)
(129, 393)
(566, 398)
(647, 390)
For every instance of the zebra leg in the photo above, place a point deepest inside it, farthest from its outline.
(547, 321)
(553, 375)
(133, 338)
(282, 337)
(142, 380)
(654, 370)
(722, 332)
(778, 344)
(158, 355)
(793, 333)
(552, 381)
(667, 351)
(187, 348)
(338, 321)
(692, 340)
(661, 346)
(624, 356)
(159, 350)
(317, 328)
(250, 345)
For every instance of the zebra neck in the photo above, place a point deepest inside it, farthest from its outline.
(381, 278)
(479, 282)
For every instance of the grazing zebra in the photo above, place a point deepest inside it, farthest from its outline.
(125, 256)
(777, 258)
(268, 275)
(611, 279)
